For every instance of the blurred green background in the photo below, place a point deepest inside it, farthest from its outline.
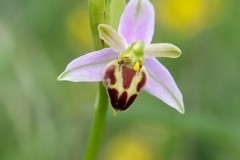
(43, 119)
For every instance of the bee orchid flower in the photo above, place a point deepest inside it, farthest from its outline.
(130, 64)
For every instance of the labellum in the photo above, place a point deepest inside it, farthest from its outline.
(125, 77)
(123, 83)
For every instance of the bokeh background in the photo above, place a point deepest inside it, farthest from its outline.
(43, 119)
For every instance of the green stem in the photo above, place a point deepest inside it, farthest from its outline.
(97, 129)
(97, 15)
(100, 11)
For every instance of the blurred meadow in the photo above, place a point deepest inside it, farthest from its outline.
(43, 119)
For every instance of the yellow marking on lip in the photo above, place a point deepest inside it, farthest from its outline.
(136, 66)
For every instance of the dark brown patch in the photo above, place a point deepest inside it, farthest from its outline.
(122, 104)
(119, 104)
(122, 101)
(113, 94)
(109, 75)
(131, 100)
(127, 75)
(142, 82)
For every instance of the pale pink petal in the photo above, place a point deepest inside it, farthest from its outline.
(162, 85)
(88, 67)
(137, 21)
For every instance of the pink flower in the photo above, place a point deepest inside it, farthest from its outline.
(129, 65)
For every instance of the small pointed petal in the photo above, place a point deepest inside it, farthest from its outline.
(111, 37)
(137, 21)
(162, 85)
(162, 50)
(88, 67)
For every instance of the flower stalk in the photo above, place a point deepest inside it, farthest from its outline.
(98, 125)
(100, 11)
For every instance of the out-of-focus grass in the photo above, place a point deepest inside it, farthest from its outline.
(41, 118)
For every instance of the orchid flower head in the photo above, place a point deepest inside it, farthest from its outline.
(130, 64)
